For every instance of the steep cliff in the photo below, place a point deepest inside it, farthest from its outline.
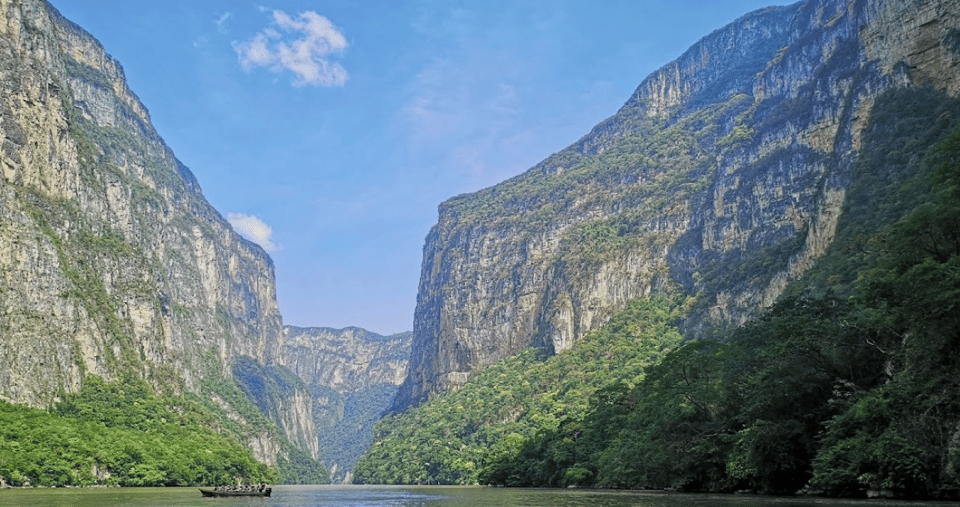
(112, 263)
(723, 177)
(353, 375)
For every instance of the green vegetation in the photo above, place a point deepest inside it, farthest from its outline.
(829, 392)
(120, 433)
(450, 440)
(740, 134)
(346, 429)
(254, 386)
(713, 416)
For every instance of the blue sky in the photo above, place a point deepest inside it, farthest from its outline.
(329, 131)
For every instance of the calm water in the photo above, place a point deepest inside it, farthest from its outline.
(426, 496)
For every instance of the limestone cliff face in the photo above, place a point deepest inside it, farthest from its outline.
(724, 175)
(353, 375)
(111, 260)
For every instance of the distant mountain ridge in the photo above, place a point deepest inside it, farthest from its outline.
(723, 176)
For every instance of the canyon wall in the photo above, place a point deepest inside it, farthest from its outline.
(721, 179)
(112, 262)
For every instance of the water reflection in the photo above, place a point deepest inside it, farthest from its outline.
(431, 496)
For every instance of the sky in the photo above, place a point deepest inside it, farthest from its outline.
(328, 131)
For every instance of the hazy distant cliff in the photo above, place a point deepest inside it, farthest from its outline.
(353, 375)
(723, 175)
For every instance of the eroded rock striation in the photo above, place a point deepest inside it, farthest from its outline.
(722, 177)
(112, 262)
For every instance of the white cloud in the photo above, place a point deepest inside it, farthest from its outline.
(303, 45)
(254, 229)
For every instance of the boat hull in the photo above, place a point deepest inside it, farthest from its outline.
(215, 493)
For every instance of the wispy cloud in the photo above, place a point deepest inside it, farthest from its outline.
(465, 108)
(304, 45)
(221, 22)
(254, 229)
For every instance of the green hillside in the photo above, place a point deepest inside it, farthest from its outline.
(121, 433)
(450, 440)
(124, 433)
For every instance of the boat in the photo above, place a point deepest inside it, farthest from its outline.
(235, 492)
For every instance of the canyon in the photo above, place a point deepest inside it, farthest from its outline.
(721, 180)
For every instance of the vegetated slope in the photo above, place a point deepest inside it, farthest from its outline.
(847, 386)
(120, 434)
(725, 173)
(449, 440)
(848, 396)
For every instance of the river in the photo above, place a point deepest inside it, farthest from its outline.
(422, 496)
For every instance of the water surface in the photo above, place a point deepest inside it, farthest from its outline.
(403, 496)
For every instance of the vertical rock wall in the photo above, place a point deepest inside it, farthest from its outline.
(723, 176)
(111, 260)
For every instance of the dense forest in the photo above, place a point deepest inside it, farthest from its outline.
(120, 433)
(449, 441)
(848, 386)
(123, 433)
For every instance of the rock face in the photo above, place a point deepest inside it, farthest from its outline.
(111, 261)
(723, 175)
(353, 375)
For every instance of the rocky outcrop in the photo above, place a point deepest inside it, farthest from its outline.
(353, 375)
(723, 176)
(111, 260)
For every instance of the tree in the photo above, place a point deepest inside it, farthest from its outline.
(900, 437)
